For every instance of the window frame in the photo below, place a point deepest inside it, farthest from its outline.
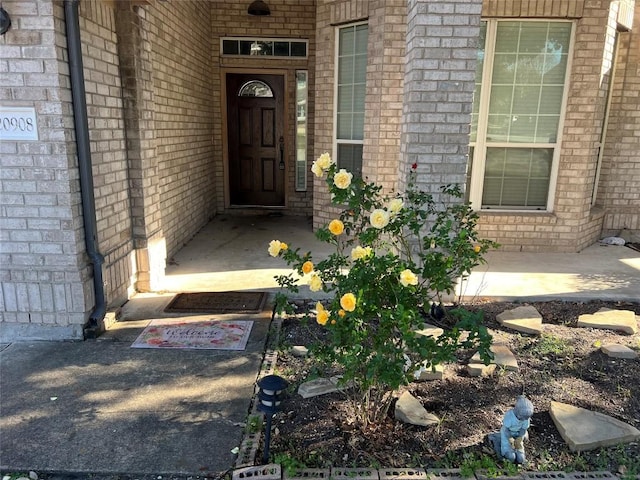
(336, 74)
(481, 144)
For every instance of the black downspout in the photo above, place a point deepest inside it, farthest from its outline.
(95, 323)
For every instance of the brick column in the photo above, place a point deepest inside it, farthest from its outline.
(442, 40)
(134, 49)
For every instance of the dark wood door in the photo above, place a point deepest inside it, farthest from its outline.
(255, 112)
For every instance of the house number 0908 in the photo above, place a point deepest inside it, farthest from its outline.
(18, 123)
(14, 124)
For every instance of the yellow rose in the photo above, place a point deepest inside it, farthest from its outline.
(315, 283)
(476, 248)
(322, 315)
(283, 246)
(342, 179)
(324, 161)
(307, 267)
(336, 227)
(348, 302)
(317, 169)
(274, 247)
(407, 277)
(395, 205)
(341, 313)
(361, 252)
(379, 218)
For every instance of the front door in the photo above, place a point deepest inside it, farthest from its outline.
(255, 113)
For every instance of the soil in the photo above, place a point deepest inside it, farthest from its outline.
(564, 364)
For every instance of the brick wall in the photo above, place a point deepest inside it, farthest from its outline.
(385, 92)
(533, 8)
(180, 38)
(327, 13)
(45, 286)
(108, 146)
(619, 188)
(288, 19)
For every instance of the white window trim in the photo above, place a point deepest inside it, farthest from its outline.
(480, 147)
(336, 51)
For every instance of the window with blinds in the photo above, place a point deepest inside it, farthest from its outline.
(519, 98)
(351, 74)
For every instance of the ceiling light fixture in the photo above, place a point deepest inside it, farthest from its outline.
(259, 8)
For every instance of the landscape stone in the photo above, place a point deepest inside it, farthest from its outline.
(480, 369)
(319, 386)
(502, 357)
(619, 320)
(299, 351)
(429, 373)
(410, 410)
(615, 350)
(430, 331)
(525, 319)
(585, 430)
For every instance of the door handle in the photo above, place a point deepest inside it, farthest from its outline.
(281, 153)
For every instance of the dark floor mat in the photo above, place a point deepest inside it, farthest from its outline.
(217, 302)
(634, 246)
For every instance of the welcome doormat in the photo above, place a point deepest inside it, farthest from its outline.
(195, 334)
(217, 302)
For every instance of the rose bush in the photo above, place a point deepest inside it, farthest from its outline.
(395, 257)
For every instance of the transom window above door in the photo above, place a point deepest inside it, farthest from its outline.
(264, 47)
(517, 114)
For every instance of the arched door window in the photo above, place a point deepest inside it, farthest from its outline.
(255, 88)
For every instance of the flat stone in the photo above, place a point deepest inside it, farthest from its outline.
(319, 386)
(615, 350)
(430, 331)
(585, 430)
(502, 357)
(480, 369)
(410, 410)
(429, 373)
(525, 319)
(619, 320)
(299, 351)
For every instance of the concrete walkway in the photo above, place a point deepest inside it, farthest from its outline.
(100, 406)
(231, 253)
(602, 272)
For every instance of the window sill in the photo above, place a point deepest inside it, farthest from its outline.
(517, 213)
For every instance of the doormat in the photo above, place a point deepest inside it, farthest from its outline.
(195, 334)
(633, 246)
(217, 302)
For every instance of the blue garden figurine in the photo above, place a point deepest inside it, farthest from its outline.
(509, 442)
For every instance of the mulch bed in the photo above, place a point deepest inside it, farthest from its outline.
(565, 364)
